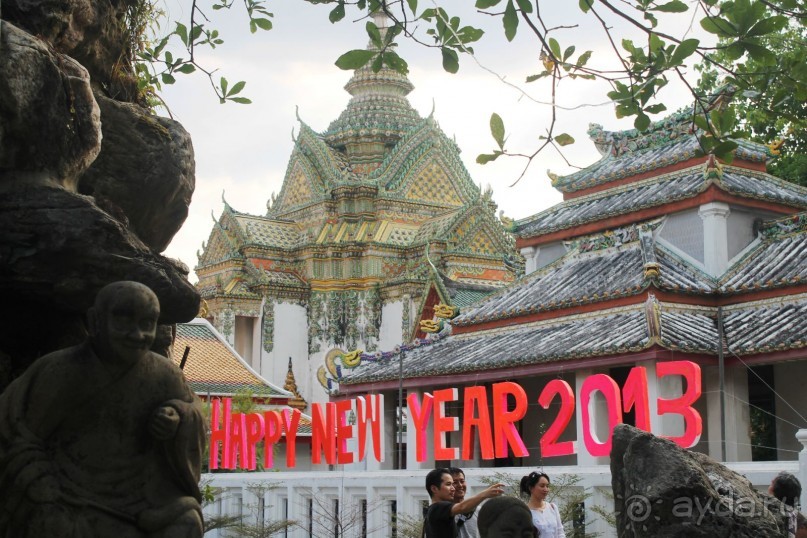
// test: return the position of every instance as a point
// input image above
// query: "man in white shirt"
(466, 523)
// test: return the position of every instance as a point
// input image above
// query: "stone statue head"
(123, 322)
(505, 517)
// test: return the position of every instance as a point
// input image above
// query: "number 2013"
(634, 395)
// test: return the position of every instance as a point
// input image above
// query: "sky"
(242, 151)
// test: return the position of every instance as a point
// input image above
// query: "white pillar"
(801, 435)
(738, 415)
(715, 237)
(530, 255)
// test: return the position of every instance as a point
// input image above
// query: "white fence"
(356, 504)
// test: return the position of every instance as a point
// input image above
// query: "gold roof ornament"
(712, 168)
(298, 402)
(652, 270)
(431, 326)
(204, 309)
(445, 311)
(653, 315)
(774, 146)
(352, 359)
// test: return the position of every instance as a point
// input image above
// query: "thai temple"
(377, 222)
(668, 290)
(660, 258)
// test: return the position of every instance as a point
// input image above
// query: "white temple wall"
(738, 418)
(243, 337)
(740, 230)
(290, 340)
(391, 331)
(684, 231)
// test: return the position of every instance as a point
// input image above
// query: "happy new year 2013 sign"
(489, 418)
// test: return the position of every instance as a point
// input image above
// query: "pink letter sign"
(683, 405)
(505, 432)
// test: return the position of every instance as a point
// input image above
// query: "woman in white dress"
(545, 515)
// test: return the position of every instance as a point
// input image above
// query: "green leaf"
(451, 61)
(655, 109)
(186, 68)
(676, 6)
(525, 6)
(759, 53)
(469, 34)
(564, 139)
(767, 26)
(223, 82)
(510, 21)
(395, 62)
(568, 52)
(684, 51)
(585, 5)
(583, 59)
(182, 32)
(485, 4)
(701, 123)
(374, 33)
(719, 26)
(485, 158)
(263, 24)
(642, 121)
(497, 129)
(413, 6)
(533, 78)
(167, 78)
(725, 150)
(554, 46)
(354, 59)
(378, 63)
(337, 13)
(237, 87)
(241, 100)
(195, 32)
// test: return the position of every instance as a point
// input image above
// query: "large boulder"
(57, 250)
(96, 33)
(663, 490)
(50, 128)
(145, 171)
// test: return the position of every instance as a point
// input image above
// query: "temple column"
(715, 237)
(530, 254)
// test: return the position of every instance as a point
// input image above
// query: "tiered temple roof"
(618, 291)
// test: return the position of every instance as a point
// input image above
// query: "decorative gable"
(219, 248)
(298, 189)
(432, 183)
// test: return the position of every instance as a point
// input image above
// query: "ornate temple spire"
(291, 385)
(378, 113)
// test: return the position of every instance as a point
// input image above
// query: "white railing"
(367, 501)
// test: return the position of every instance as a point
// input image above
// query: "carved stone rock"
(50, 129)
(57, 250)
(146, 169)
(662, 490)
(96, 34)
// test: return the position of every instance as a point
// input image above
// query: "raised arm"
(472, 502)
